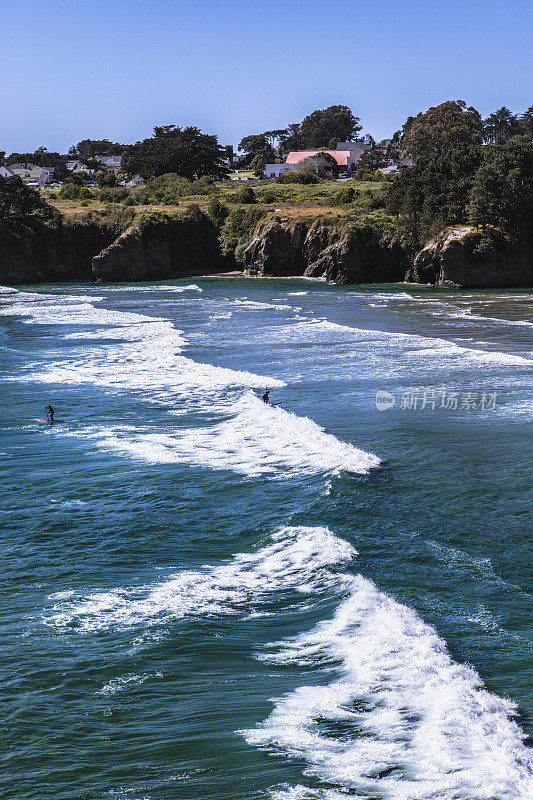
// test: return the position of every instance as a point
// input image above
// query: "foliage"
(187, 152)
(245, 195)
(526, 122)
(321, 164)
(238, 229)
(445, 144)
(255, 143)
(345, 195)
(217, 211)
(73, 191)
(89, 148)
(77, 178)
(21, 204)
(40, 158)
(292, 139)
(297, 176)
(502, 191)
(500, 126)
(442, 130)
(371, 160)
(105, 178)
(117, 194)
(325, 127)
(170, 189)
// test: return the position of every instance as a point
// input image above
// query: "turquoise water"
(205, 597)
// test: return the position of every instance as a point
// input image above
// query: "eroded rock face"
(163, 248)
(352, 255)
(463, 258)
(361, 255)
(63, 253)
(277, 248)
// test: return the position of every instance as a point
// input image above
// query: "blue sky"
(72, 70)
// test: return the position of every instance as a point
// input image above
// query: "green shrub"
(297, 176)
(217, 211)
(246, 196)
(238, 229)
(346, 195)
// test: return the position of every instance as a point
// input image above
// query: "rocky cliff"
(340, 253)
(347, 252)
(37, 252)
(162, 246)
(464, 258)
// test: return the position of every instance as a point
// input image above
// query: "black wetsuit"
(50, 410)
(265, 397)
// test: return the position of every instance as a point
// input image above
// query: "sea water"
(208, 597)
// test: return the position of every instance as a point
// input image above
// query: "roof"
(297, 156)
(117, 160)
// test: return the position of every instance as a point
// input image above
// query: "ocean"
(209, 597)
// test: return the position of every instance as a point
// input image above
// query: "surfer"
(265, 396)
(49, 413)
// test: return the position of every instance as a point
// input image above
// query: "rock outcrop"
(277, 248)
(362, 254)
(44, 253)
(162, 246)
(350, 254)
(463, 258)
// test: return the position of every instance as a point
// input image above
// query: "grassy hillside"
(356, 199)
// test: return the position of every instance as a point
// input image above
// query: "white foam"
(155, 287)
(255, 440)
(253, 304)
(296, 559)
(126, 682)
(402, 720)
(407, 344)
(144, 354)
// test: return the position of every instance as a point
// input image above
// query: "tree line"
(465, 170)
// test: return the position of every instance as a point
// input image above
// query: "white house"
(5, 172)
(275, 170)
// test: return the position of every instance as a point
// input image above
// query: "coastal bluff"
(161, 246)
(156, 245)
(358, 253)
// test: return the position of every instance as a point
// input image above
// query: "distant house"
(112, 163)
(275, 170)
(35, 177)
(346, 154)
(79, 166)
(6, 172)
(342, 157)
(136, 181)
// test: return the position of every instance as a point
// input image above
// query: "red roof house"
(342, 157)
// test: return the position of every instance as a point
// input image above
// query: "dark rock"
(43, 253)
(162, 247)
(463, 258)
(277, 248)
(361, 255)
